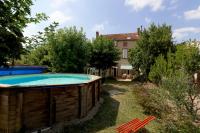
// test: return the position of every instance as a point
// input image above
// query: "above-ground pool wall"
(89, 97)
(4, 111)
(39, 107)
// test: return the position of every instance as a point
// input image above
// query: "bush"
(184, 93)
(184, 126)
(154, 102)
(162, 68)
(158, 70)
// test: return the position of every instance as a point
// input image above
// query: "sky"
(120, 16)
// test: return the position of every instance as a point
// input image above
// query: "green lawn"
(115, 110)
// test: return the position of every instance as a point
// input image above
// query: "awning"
(126, 67)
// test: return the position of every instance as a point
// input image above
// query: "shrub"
(184, 93)
(154, 102)
(162, 68)
(158, 70)
(184, 126)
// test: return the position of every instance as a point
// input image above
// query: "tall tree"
(104, 54)
(68, 50)
(153, 41)
(186, 58)
(41, 38)
(37, 49)
(14, 17)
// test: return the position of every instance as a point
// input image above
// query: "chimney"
(97, 34)
(139, 29)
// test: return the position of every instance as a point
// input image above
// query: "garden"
(117, 108)
(164, 84)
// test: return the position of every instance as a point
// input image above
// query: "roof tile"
(124, 36)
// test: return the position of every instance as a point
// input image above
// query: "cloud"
(172, 5)
(192, 14)
(60, 17)
(60, 3)
(173, 2)
(31, 29)
(100, 26)
(147, 20)
(177, 16)
(180, 33)
(137, 5)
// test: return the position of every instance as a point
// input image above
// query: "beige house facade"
(124, 42)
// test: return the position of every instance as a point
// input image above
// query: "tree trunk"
(99, 72)
(146, 74)
(13, 61)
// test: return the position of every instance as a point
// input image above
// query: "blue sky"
(120, 16)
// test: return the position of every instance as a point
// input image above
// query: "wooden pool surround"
(33, 108)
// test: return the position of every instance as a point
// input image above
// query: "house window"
(125, 53)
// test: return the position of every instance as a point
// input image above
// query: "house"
(124, 42)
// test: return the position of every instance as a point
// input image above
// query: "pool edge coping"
(93, 78)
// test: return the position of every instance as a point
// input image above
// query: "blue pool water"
(44, 79)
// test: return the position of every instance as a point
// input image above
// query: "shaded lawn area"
(116, 110)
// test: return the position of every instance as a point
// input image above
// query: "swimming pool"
(44, 79)
(37, 101)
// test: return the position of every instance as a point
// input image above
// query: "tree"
(37, 48)
(162, 68)
(63, 50)
(153, 41)
(14, 17)
(37, 56)
(41, 38)
(104, 54)
(175, 74)
(158, 70)
(135, 58)
(186, 58)
(68, 50)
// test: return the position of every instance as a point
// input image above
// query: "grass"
(115, 110)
